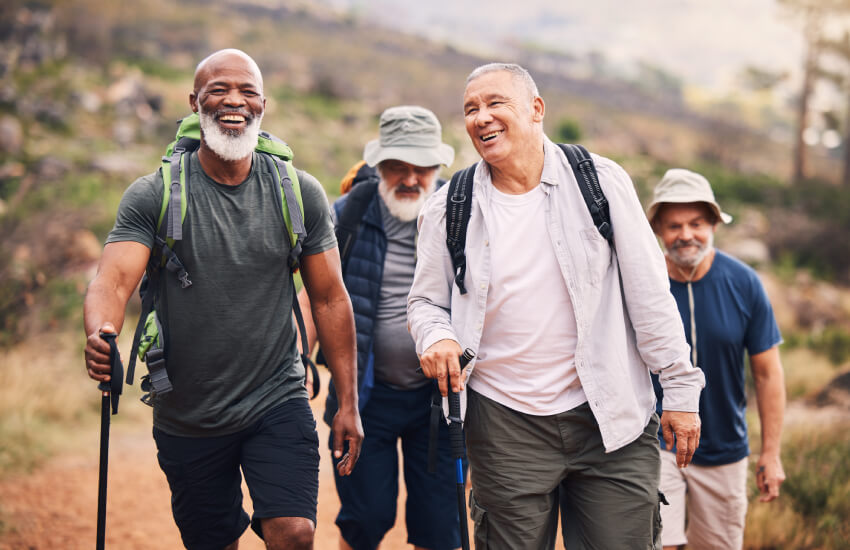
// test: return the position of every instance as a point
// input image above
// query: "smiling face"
(228, 96)
(686, 230)
(503, 118)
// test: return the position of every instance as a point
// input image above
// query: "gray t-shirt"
(230, 337)
(395, 351)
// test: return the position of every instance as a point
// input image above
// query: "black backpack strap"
(458, 209)
(305, 351)
(161, 254)
(588, 183)
(357, 201)
(146, 291)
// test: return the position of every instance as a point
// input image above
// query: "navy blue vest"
(362, 275)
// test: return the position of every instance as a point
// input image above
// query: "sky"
(706, 43)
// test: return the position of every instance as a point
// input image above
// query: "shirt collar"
(550, 162)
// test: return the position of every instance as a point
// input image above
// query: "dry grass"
(812, 509)
(806, 372)
(45, 397)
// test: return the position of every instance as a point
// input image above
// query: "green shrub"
(834, 342)
(568, 131)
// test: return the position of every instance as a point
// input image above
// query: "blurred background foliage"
(89, 95)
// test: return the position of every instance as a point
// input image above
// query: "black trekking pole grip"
(109, 396)
(455, 422)
(456, 441)
(114, 387)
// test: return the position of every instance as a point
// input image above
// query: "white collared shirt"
(624, 331)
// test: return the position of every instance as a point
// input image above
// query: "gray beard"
(404, 210)
(690, 261)
(226, 145)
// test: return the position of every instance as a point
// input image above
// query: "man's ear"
(538, 108)
(193, 102)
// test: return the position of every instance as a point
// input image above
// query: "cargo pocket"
(479, 518)
(656, 522)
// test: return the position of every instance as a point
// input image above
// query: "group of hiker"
(606, 376)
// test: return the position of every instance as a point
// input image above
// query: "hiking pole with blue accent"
(456, 440)
(111, 392)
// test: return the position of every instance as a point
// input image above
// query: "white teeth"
(232, 118)
(491, 135)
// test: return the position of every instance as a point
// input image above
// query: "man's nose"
(483, 117)
(410, 178)
(234, 98)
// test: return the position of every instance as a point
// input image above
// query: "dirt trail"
(55, 507)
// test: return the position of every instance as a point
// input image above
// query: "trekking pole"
(111, 391)
(456, 440)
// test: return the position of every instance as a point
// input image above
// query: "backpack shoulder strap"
(292, 205)
(173, 210)
(357, 201)
(588, 182)
(458, 209)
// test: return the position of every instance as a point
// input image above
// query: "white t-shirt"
(526, 355)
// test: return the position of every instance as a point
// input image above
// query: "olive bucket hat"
(411, 134)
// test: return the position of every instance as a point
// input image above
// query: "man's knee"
(288, 533)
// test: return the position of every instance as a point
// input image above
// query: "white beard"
(228, 146)
(404, 209)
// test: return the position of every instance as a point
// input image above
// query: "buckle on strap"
(160, 382)
(155, 359)
(294, 256)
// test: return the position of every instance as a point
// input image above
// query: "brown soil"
(55, 507)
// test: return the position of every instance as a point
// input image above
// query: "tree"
(813, 13)
(841, 80)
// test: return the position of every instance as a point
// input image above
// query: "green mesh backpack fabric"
(149, 339)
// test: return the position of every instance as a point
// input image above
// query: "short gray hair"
(518, 72)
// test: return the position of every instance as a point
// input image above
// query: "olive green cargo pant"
(522, 465)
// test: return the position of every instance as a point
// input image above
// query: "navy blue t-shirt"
(732, 314)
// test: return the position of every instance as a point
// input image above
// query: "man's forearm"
(103, 303)
(770, 396)
(335, 327)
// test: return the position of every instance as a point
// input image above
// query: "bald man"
(238, 400)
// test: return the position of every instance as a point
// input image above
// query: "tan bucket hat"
(681, 186)
(411, 134)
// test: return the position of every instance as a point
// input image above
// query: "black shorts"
(279, 455)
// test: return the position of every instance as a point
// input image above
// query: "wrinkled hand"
(98, 365)
(769, 477)
(347, 427)
(686, 428)
(441, 361)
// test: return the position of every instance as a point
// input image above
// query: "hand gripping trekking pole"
(456, 440)
(111, 392)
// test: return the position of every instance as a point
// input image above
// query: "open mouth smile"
(231, 119)
(491, 136)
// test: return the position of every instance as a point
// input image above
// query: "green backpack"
(149, 338)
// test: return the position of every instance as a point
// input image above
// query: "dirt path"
(55, 507)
